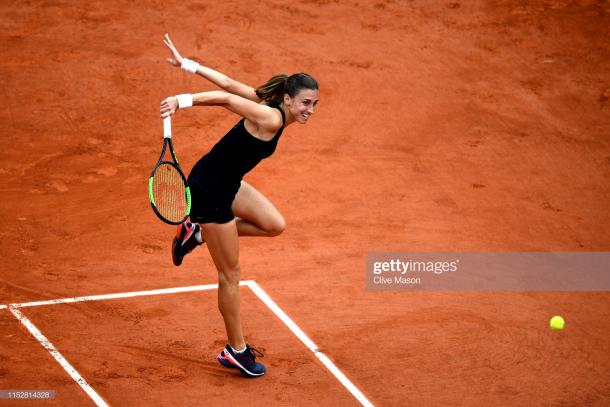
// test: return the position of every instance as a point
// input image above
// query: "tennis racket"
(169, 193)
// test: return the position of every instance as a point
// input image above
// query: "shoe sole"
(175, 259)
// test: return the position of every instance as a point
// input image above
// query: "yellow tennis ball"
(557, 323)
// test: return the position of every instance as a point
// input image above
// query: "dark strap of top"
(276, 106)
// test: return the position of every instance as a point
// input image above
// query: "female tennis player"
(224, 206)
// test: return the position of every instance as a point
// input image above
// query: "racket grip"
(167, 127)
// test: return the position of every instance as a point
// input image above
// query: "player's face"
(302, 105)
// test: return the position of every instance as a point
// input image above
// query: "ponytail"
(274, 89)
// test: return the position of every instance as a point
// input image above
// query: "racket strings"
(169, 193)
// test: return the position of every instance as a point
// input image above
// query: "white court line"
(123, 295)
(3, 306)
(262, 295)
(58, 357)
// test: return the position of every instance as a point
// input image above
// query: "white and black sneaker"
(185, 241)
(244, 361)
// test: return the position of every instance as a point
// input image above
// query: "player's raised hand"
(176, 58)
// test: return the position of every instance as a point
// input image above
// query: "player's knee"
(276, 227)
(229, 276)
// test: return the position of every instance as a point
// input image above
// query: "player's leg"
(223, 244)
(256, 215)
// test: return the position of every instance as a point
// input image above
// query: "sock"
(239, 351)
(198, 236)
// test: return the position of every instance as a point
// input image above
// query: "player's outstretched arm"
(261, 115)
(219, 79)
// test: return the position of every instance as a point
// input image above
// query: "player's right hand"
(176, 58)
(168, 106)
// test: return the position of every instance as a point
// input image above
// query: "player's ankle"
(240, 349)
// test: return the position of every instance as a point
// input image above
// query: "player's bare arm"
(219, 79)
(265, 118)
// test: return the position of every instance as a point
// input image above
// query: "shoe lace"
(255, 352)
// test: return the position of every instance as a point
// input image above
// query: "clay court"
(445, 126)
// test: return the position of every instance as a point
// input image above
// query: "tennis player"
(224, 206)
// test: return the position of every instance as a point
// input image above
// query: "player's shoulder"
(278, 116)
(275, 110)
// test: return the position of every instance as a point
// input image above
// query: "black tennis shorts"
(209, 204)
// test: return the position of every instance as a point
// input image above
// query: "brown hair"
(274, 89)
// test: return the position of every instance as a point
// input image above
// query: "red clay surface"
(442, 126)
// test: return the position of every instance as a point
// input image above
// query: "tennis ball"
(557, 323)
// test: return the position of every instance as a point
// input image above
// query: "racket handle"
(167, 127)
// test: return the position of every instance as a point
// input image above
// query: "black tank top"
(221, 170)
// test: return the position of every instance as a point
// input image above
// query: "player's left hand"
(176, 58)
(169, 106)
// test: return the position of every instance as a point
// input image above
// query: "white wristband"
(184, 100)
(189, 65)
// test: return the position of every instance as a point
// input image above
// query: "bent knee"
(276, 227)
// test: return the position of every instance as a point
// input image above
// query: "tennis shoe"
(185, 241)
(244, 361)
